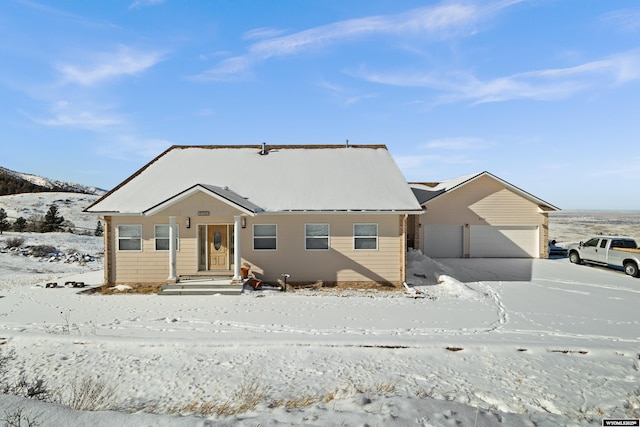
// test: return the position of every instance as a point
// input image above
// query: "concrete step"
(210, 275)
(201, 287)
(236, 290)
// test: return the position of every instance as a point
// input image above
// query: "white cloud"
(624, 20)
(144, 3)
(438, 21)
(65, 114)
(549, 84)
(462, 143)
(262, 33)
(132, 148)
(110, 65)
(345, 96)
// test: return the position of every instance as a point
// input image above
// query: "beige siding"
(485, 201)
(150, 265)
(341, 263)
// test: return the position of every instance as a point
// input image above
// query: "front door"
(218, 245)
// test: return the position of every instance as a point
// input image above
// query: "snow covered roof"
(293, 178)
(425, 192)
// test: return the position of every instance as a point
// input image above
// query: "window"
(161, 236)
(316, 237)
(130, 237)
(265, 237)
(591, 242)
(365, 236)
(626, 243)
(603, 243)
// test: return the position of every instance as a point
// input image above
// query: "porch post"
(172, 249)
(237, 256)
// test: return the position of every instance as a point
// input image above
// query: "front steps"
(202, 286)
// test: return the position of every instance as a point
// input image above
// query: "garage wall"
(484, 202)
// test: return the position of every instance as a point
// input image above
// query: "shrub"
(14, 242)
(89, 394)
(35, 388)
(18, 418)
(41, 250)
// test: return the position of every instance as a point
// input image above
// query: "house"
(479, 216)
(336, 214)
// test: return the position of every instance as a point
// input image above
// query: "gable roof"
(223, 194)
(283, 178)
(425, 192)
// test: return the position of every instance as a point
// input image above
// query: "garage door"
(487, 241)
(442, 241)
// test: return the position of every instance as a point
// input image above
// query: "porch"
(221, 283)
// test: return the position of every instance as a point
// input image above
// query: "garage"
(443, 241)
(480, 216)
(486, 241)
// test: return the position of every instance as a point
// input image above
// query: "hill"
(12, 182)
(70, 206)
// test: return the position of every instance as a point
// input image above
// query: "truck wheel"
(631, 269)
(574, 257)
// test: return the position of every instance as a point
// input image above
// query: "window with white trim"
(130, 238)
(265, 237)
(365, 236)
(161, 237)
(316, 237)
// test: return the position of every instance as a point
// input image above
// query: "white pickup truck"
(621, 253)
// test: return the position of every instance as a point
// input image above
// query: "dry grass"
(296, 403)
(385, 388)
(89, 394)
(253, 392)
(246, 397)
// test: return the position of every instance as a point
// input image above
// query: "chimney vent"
(264, 150)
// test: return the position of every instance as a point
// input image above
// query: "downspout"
(403, 249)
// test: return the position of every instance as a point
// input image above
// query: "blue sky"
(542, 93)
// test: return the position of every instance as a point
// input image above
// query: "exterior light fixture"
(243, 222)
(188, 222)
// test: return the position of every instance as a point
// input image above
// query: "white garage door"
(442, 241)
(487, 241)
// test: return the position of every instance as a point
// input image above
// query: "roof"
(425, 192)
(288, 178)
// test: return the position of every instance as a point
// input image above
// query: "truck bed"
(635, 251)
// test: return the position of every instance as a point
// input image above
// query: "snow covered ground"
(492, 342)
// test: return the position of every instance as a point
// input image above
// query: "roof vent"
(347, 144)
(263, 150)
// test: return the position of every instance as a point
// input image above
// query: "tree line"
(13, 185)
(51, 222)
